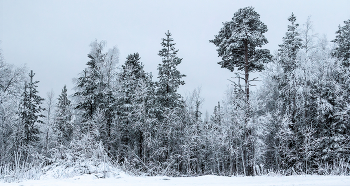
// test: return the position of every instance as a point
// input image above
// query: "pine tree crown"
(245, 27)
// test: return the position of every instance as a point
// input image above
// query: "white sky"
(52, 37)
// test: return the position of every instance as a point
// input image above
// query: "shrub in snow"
(84, 156)
(23, 168)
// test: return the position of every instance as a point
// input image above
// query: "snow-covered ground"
(122, 179)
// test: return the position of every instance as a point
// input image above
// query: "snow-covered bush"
(84, 156)
(22, 169)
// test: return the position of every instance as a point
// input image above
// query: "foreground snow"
(122, 179)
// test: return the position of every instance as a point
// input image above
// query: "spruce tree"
(216, 118)
(291, 45)
(169, 76)
(62, 126)
(31, 112)
(127, 103)
(90, 87)
(169, 103)
(342, 41)
(237, 44)
(95, 95)
(287, 58)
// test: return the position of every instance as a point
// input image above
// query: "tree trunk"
(249, 149)
(47, 141)
(243, 164)
(246, 70)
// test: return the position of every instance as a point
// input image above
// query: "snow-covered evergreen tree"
(169, 104)
(131, 77)
(95, 85)
(238, 41)
(237, 44)
(342, 49)
(63, 126)
(169, 76)
(290, 47)
(287, 85)
(90, 84)
(96, 90)
(31, 112)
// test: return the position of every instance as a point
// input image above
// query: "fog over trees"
(296, 122)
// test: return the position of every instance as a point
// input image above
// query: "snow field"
(209, 180)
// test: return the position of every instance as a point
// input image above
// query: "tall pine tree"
(237, 44)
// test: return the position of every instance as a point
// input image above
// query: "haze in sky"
(52, 37)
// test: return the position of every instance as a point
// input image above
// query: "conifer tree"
(216, 118)
(237, 44)
(128, 102)
(90, 87)
(169, 76)
(63, 127)
(95, 95)
(292, 43)
(31, 112)
(169, 103)
(287, 58)
(342, 53)
(342, 41)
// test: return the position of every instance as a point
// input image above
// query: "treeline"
(296, 122)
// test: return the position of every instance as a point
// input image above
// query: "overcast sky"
(52, 37)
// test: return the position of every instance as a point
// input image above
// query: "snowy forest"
(297, 121)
